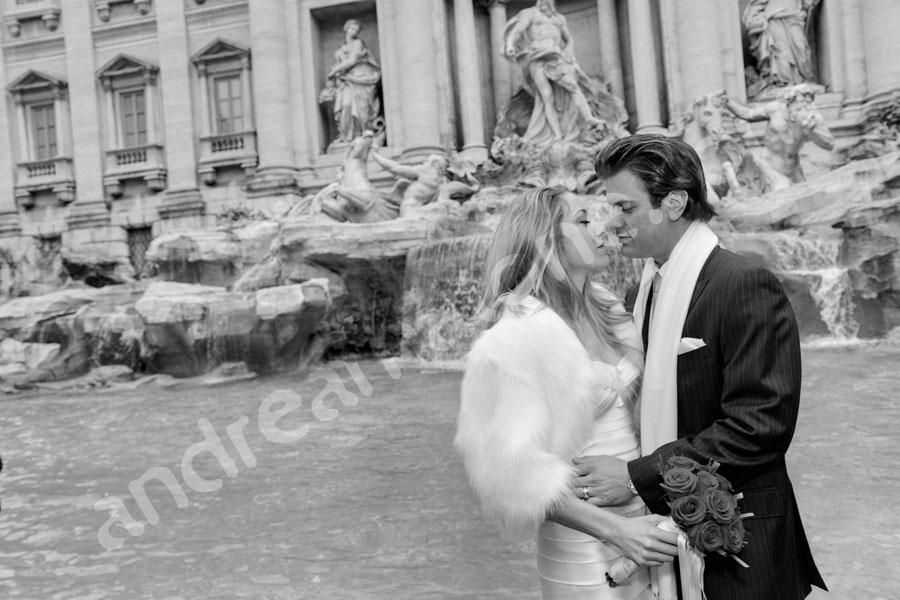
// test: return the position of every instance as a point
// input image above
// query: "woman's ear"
(675, 204)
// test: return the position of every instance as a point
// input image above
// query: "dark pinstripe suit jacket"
(738, 399)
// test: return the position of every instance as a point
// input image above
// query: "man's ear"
(675, 204)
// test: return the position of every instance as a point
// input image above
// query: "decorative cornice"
(30, 50)
(125, 33)
(217, 15)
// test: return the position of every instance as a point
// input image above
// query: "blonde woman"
(554, 377)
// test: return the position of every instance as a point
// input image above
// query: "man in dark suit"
(737, 393)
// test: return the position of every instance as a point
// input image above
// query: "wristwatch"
(631, 488)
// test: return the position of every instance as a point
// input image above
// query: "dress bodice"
(573, 564)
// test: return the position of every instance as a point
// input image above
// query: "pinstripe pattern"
(738, 399)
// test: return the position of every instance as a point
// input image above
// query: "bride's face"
(583, 246)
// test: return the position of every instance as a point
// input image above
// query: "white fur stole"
(528, 402)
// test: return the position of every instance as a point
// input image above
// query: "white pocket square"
(689, 345)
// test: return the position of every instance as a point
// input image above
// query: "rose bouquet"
(706, 516)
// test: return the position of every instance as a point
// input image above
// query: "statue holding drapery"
(352, 84)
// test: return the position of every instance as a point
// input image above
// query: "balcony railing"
(28, 9)
(54, 174)
(38, 172)
(140, 162)
(17, 11)
(224, 150)
(126, 160)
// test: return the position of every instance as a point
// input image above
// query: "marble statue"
(777, 31)
(793, 120)
(425, 183)
(352, 84)
(702, 127)
(538, 39)
(352, 197)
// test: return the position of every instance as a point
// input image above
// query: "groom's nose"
(615, 224)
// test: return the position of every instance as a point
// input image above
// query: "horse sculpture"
(721, 154)
(353, 198)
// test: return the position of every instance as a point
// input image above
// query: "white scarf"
(659, 393)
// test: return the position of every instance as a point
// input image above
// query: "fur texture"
(528, 402)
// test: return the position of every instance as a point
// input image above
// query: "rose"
(733, 534)
(724, 484)
(707, 481)
(706, 537)
(679, 482)
(688, 510)
(721, 505)
(682, 462)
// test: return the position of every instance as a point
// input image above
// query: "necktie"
(651, 306)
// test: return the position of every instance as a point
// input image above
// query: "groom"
(722, 375)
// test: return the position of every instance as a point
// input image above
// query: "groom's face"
(642, 230)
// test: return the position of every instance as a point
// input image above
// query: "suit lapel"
(702, 280)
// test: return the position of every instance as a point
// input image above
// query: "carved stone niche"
(104, 7)
(17, 11)
(330, 24)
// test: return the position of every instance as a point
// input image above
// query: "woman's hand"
(643, 542)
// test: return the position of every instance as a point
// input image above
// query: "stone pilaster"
(82, 79)
(8, 216)
(500, 67)
(469, 78)
(610, 56)
(696, 49)
(882, 47)
(423, 102)
(182, 195)
(854, 54)
(272, 90)
(644, 66)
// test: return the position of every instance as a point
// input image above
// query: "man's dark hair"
(663, 164)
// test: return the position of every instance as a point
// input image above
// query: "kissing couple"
(572, 399)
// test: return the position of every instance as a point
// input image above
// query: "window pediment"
(220, 50)
(35, 81)
(123, 67)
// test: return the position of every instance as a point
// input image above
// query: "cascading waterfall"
(816, 261)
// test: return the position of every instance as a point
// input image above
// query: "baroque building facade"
(123, 119)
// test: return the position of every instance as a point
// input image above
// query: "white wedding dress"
(573, 565)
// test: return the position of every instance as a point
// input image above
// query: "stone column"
(643, 59)
(150, 91)
(854, 53)
(63, 147)
(206, 125)
(174, 69)
(417, 78)
(247, 93)
(882, 47)
(469, 77)
(22, 130)
(610, 56)
(699, 51)
(82, 79)
(502, 77)
(8, 216)
(112, 124)
(271, 86)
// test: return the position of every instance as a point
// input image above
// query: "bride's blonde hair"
(524, 259)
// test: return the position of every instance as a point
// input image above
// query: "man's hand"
(606, 479)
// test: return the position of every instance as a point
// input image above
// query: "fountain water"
(813, 260)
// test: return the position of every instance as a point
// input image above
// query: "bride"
(555, 377)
